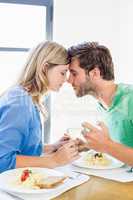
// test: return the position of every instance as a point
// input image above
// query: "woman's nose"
(69, 80)
(65, 79)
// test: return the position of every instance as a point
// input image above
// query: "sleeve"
(129, 108)
(14, 121)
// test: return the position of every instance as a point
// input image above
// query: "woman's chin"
(55, 89)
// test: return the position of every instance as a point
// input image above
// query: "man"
(92, 72)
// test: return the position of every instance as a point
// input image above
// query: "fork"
(74, 175)
(130, 170)
(15, 196)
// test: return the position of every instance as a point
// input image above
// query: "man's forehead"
(74, 69)
(74, 64)
(75, 61)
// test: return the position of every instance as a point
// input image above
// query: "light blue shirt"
(20, 127)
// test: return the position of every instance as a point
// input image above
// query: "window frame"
(49, 19)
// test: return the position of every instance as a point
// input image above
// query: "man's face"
(79, 79)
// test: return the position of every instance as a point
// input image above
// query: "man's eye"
(74, 74)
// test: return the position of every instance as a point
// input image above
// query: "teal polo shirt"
(119, 116)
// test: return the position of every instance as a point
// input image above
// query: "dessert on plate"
(97, 159)
(31, 179)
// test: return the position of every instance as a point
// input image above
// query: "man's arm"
(121, 152)
(99, 140)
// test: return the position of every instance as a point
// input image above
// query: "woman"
(20, 109)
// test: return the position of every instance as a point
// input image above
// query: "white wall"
(107, 21)
(124, 72)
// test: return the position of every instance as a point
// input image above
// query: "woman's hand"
(97, 138)
(66, 153)
(82, 146)
(63, 140)
(50, 148)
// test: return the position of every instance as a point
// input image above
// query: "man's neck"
(106, 92)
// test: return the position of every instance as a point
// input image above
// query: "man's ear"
(94, 73)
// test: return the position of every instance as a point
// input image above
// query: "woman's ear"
(45, 67)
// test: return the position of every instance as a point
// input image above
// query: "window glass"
(11, 64)
(22, 25)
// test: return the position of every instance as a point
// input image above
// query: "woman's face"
(57, 76)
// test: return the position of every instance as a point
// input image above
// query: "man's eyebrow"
(72, 70)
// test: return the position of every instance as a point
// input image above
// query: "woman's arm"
(49, 148)
(36, 161)
(64, 155)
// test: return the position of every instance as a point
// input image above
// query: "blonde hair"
(34, 77)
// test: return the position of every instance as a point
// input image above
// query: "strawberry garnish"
(25, 174)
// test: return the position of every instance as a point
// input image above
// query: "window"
(24, 23)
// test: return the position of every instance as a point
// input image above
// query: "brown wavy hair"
(91, 55)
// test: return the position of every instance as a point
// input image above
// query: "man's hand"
(97, 138)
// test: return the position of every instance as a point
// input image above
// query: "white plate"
(82, 163)
(8, 177)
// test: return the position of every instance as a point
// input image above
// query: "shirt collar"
(116, 98)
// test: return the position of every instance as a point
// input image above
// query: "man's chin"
(83, 93)
(78, 94)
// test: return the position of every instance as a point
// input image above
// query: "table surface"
(97, 188)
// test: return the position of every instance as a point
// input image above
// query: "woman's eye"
(63, 73)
